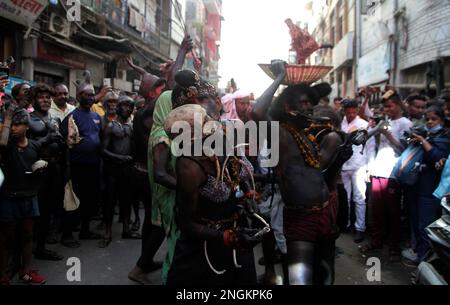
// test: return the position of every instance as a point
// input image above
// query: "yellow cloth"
(98, 108)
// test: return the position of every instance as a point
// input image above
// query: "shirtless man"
(307, 172)
(151, 88)
(118, 166)
(45, 129)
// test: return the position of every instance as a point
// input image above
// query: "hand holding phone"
(3, 81)
(106, 82)
(4, 71)
(5, 67)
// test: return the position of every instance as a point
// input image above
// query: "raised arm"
(186, 47)
(260, 109)
(134, 67)
(4, 134)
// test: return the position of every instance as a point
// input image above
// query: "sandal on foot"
(70, 243)
(131, 235)
(48, 255)
(136, 225)
(89, 236)
(103, 243)
(52, 239)
(369, 248)
(140, 278)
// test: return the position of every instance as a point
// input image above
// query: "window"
(349, 73)
(339, 76)
(178, 10)
(364, 7)
(332, 34)
(340, 33)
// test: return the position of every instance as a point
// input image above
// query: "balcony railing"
(343, 51)
(158, 22)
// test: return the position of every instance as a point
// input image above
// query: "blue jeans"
(428, 210)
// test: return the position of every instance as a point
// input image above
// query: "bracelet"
(230, 238)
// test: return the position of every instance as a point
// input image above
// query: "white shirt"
(60, 114)
(358, 160)
(386, 157)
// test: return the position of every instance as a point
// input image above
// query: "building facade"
(379, 42)
(49, 47)
(335, 26)
(203, 19)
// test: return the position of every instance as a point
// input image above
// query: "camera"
(420, 130)
(4, 70)
(378, 119)
(5, 67)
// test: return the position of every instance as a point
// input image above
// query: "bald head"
(61, 95)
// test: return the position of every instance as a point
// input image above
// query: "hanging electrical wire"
(143, 55)
(109, 38)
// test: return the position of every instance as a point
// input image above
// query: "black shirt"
(16, 166)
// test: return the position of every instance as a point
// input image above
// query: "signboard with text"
(24, 12)
(15, 81)
(52, 53)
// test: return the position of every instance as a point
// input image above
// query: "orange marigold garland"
(312, 156)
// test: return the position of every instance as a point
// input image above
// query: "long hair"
(16, 90)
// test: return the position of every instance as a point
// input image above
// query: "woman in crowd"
(426, 208)
(21, 94)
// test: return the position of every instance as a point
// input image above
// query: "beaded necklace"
(231, 175)
(312, 156)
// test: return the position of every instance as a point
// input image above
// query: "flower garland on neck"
(312, 156)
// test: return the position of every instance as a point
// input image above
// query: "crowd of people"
(338, 172)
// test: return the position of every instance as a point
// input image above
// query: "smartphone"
(107, 82)
(4, 71)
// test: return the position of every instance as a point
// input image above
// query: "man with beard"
(307, 171)
(45, 128)
(84, 160)
(118, 166)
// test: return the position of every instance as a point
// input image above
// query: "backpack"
(408, 166)
(410, 163)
